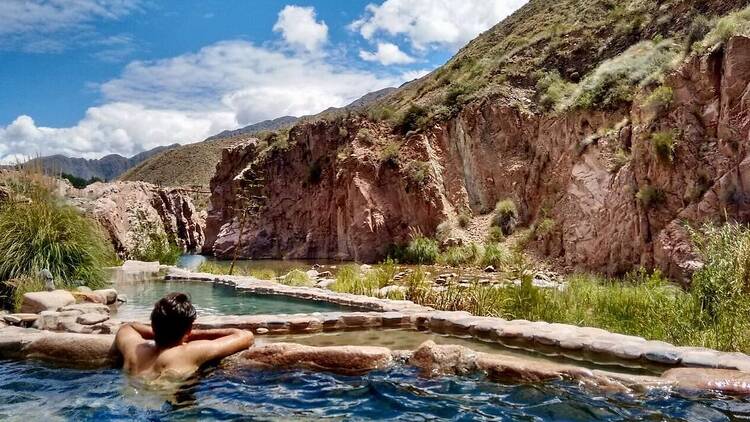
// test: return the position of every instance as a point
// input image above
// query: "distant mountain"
(108, 167)
(266, 125)
(195, 164)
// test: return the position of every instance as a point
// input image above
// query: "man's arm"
(131, 335)
(207, 345)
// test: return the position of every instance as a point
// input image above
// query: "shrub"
(505, 216)
(152, 243)
(296, 278)
(732, 24)
(620, 159)
(650, 196)
(464, 219)
(421, 250)
(349, 280)
(614, 81)
(365, 136)
(553, 91)
(660, 97)
(544, 227)
(496, 255)
(418, 173)
(444, 231)
(664, 145)
(414, 118)
(46, 233)
(461, 256)
(495, 235)
(390, 154)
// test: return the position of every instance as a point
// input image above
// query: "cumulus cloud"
(299, 28)
(192, 96)
(386, 54)
(43, 26)
(445, 23)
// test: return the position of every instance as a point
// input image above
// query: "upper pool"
(32, 391)
(211, 299)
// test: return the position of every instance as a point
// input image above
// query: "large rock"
(73, 349)
(342, 359)
(110, 295)
(126, 209)
(36, 302)
(722, 380)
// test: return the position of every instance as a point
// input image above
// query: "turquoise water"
(210, 299)
(30, 391)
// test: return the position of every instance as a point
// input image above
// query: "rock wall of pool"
(347, 339)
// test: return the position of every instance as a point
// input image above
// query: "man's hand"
(208, 345)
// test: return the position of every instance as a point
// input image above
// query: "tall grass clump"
(420, 250)
(350, 280)
(461, 256)
(296, 278)
(615, 81)
(505, 216)
(46, 233)
(213, 267)
(664, 145)
(553, 90)
(736, 23)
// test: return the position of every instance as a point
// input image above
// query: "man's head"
(172, 319)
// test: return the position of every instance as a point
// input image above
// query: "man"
(170, 348)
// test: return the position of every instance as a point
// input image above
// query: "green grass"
(219, 269)
(664, 144)
(420, 250)
(505, 216)
(650, 196)
(296, 278)
(495, 235)
(496, 255)
(45, 233)
(461, 256)
(733, 24)
(660, 98)
(349, 280)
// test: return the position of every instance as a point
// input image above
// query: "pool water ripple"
(32, 391)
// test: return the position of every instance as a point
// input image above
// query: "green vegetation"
(733, 24)
(461, 256)
(553, 90)
(420, 250)
(619, 160)
(464, 218)
(664, 145)
(42, 232)
(78, 182)
(152, 243)
(413, 118)
(650, 196)
(418, 173)
(390, 154)
(219, 269)
(615, 81)
(505, 216)
(660, 98)
(349, 280)
(296, 278)
(495, 235)
(496, 255)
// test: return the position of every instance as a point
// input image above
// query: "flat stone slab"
(36, 302)
(91, 319)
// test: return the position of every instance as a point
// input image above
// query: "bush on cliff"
(42, 232)
(506, 216)
(733, 24)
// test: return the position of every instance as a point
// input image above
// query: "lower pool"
(32, 391)
(211, 299)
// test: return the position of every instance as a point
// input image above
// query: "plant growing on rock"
(650, 196)
(418, 173)
(505, 216)
(660, 98)
(664, 145)
(390, 154)
(553, 90)
(413, 118)
(733, 24)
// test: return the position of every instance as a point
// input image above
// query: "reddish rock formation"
(331, 196)
(124, 207)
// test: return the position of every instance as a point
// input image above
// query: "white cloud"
(386, 54)
(445, 23)
(190, 97)
(299, 28)
(43, 26)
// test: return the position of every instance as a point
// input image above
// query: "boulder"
(87, 308)
(90, 297)
(91, 319)
(21, 320)
(340, 359)
(109, 294)
(433, 359)
(78, 349)
(720, 380)
(36, 302)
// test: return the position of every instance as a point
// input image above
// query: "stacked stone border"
(581, 343)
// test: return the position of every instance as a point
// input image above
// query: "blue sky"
(92, 77)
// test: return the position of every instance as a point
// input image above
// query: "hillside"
(106, 168)
(607, 124)
(195, 164)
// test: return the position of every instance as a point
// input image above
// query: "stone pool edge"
(405, 314)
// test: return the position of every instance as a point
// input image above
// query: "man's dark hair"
(172, 318)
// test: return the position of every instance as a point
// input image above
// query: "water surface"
(30, 391)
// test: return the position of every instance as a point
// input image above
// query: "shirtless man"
(170, 348)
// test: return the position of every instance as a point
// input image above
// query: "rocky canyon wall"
(616, 201)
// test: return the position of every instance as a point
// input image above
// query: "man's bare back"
(170, 348)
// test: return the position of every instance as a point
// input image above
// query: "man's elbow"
(246, 337)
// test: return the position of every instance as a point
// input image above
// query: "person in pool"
(170, 348)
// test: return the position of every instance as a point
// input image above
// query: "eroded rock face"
(124, 207)
(330, 195)
(725, 381)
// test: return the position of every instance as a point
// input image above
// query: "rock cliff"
(130, 210)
